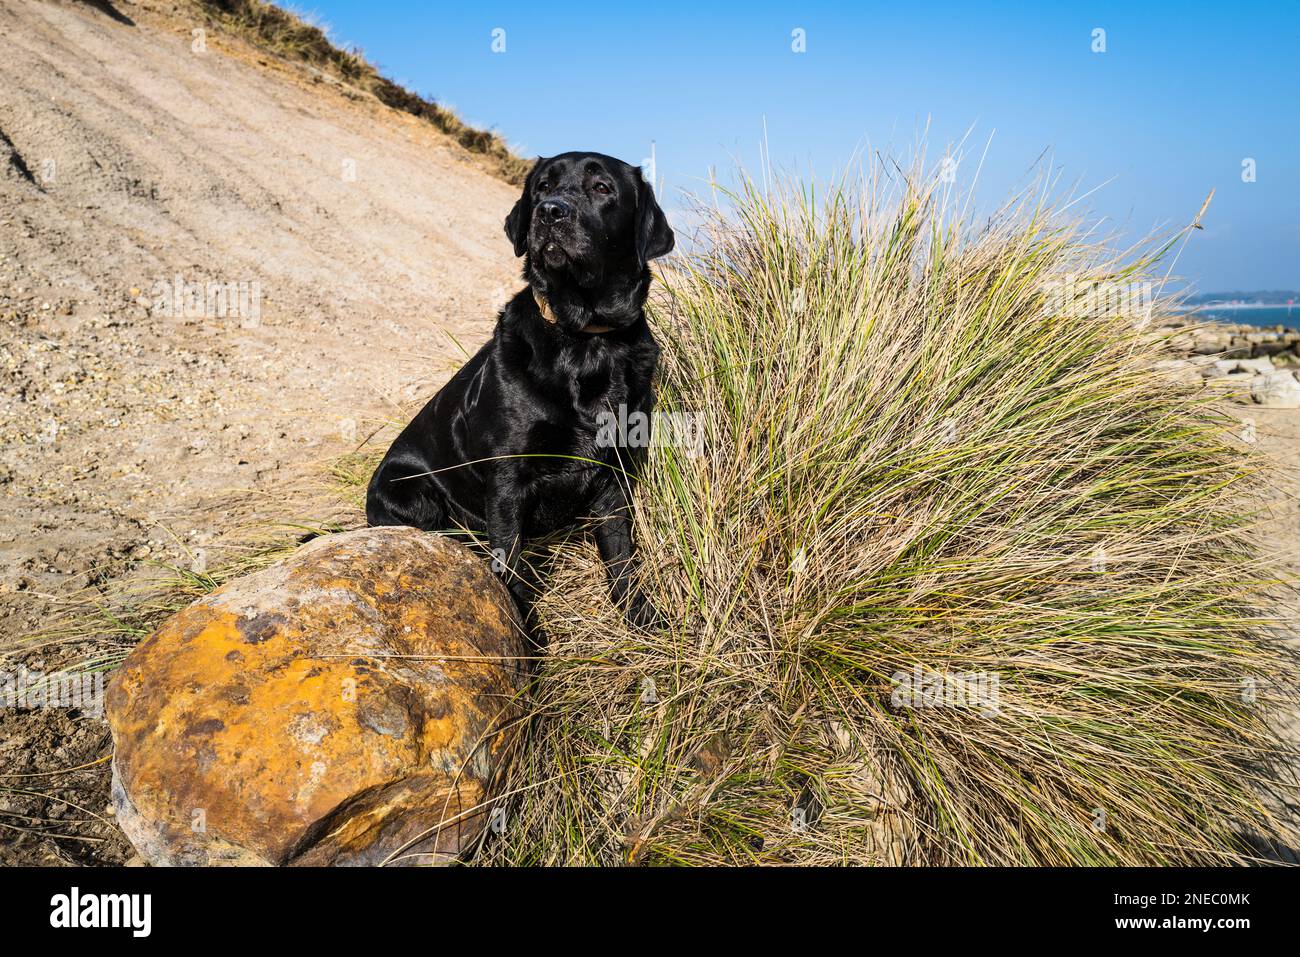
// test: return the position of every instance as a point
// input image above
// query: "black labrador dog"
(519, 442)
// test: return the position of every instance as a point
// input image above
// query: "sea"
(1268, 316)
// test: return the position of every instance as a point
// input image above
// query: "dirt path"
(127, 159)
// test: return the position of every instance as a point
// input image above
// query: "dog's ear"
(521, 216)
(654, 237)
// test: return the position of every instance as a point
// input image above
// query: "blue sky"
(1183, 94)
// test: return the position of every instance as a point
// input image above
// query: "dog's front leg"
(617, 549)
(506, 515)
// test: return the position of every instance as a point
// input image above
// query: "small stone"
(1209, 346)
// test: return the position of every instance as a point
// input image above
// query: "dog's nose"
(554, 210)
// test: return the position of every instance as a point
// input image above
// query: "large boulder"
(1257, 366)
(1278, 390)
(349, 705)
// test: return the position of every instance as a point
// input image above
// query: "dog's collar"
(549, 315)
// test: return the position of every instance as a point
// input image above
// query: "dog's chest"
(580, 424)
(577, 449)
(598, 385)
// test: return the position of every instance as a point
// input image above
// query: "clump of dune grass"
(285, 33)
(961, 576)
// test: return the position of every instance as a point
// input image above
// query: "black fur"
(510, 445)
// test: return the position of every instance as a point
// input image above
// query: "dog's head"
(588, 220)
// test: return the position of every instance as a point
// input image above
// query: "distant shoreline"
(1259, 314)
(1202, 306)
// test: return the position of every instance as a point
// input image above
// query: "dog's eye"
(601, 188)
(544, 185)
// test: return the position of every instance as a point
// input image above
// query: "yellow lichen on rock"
(349, 705)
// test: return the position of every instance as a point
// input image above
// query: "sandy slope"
(128, 159)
